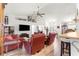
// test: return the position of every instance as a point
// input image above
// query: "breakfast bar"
(72, 38)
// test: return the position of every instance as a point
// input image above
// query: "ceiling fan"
(39, 14)
(34, 16)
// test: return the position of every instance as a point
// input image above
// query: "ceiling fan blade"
(42, 13)
(21, 19)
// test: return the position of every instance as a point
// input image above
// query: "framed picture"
(6, 20)
(11, 29)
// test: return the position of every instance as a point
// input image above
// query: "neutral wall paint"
(14, 22)
(58, 12)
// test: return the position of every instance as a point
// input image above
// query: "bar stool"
(65, 48)
(66, 43)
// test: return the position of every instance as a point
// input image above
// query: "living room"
(41, 24)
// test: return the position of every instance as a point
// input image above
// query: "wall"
(55, 15)
(14, 22)
(14, 10)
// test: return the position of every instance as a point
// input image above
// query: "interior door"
(1, 28)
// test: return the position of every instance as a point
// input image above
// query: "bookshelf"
(8, 29)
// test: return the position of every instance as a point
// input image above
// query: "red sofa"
(11, 42)
(35, 43)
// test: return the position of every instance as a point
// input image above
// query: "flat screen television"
(24, 27)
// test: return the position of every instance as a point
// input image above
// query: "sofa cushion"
(10, 38)
(14, 36)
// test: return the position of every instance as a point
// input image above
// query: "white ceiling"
(29, 8)
(23, 8)
(60, 10)
(54, 10)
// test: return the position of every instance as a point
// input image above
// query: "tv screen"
(24, 27)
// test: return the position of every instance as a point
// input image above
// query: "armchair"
(50, 38)
(35, 44)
